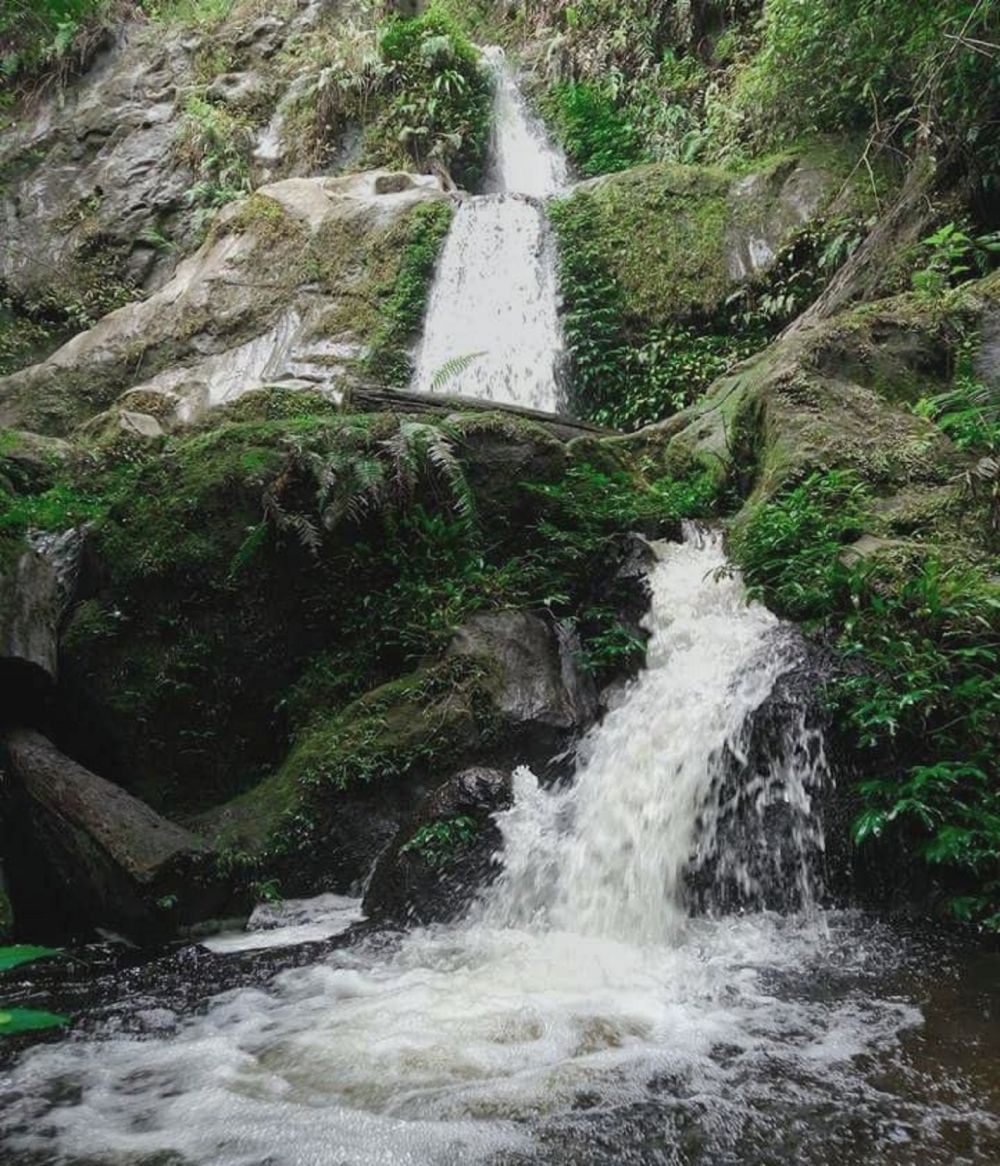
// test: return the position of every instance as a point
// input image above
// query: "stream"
(580, 1012)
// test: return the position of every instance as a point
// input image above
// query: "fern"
(453, 368)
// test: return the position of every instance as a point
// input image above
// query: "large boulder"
(679, 240)
(286, 288)
(113, 859)
(776, 833)
(444, 854)
(533, 658)
(508, 691)
(37, 585)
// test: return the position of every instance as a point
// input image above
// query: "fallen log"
(369, 399)
(120, 864)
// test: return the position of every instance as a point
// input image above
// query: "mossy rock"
(352, 776)
(662, 230)
(838, 395)
(215, 586)
(678, 239)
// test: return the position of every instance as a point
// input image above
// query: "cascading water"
(608, 856)
(577, 1014)
(492, 328)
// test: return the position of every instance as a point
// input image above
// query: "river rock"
(539, 680)
(118, 862)
(763, 838)
(444, 854)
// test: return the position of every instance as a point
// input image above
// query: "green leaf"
(23, 953)
(15, 1020)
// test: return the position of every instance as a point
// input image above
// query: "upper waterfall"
(492, 327)
(522, 160)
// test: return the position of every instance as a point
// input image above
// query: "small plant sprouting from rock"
(440, 843)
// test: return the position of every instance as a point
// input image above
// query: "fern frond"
(453, 368)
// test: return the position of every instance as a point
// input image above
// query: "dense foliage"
(594, 133)
(438, 109)
(923, 698)
(910, 72)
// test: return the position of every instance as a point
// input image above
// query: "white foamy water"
(577, 991)
(289, 922)
(492, 316)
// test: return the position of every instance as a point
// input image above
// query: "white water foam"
(492, 318)
(290, 922)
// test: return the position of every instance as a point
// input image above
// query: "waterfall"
(492, 326)
(601, 1003)
(575, 991)
(608, 855)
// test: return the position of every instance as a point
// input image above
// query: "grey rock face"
(444, 854)
(767, 207)
(222, 326)
(97, 165)
(540, 681)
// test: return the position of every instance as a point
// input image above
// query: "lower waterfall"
(578, 1014)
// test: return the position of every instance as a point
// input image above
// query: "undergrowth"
(922, 636)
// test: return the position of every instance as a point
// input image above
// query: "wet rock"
(117, 861)
(444, 854)
(766, 208)
(96, 163)
(681, 240)
(539, 680)
(123, 423)
(763, 841)
(245, 310)
(239, 89)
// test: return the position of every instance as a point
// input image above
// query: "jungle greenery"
(922, 697)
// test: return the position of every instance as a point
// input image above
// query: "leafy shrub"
(439, 843)
(911, 70)
(216, 144)
(438, 111)
(950, 254)
(969, 412)
(44, 35)
(625, 374)
(595, 133)
(923, 698)
(789, 548)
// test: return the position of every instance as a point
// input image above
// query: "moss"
(402, 733)
(274, 403)
(379, 279)
(662, 233)
(403, 299)
(271, 225)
